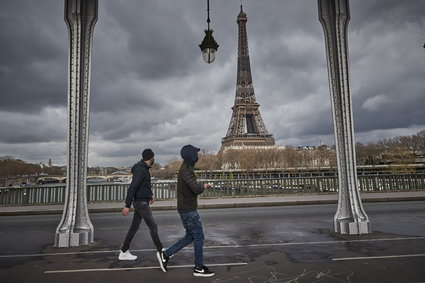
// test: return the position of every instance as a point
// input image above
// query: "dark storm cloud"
(150, 87)
(393, 12)
(158, 34)
(32, 56)
(386, 51)
(48, 125)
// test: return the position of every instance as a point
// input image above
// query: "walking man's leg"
(146, 213)
(194, 233)
(164, 256)
(200, 269)
(135, 224)
(198, 240)
(183, 242)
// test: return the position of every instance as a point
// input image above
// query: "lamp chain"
(208, 14)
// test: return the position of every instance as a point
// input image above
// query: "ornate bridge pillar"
(75, 228)
(350, 217)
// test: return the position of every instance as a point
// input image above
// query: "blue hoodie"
(189, 153)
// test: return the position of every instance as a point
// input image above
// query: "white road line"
(377, 257)
(72, 253)
(224, 247)
(138, 268)
(320, 243)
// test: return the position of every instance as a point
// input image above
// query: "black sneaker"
(203, 272)
(163, 260)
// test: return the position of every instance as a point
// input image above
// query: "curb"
(47, 211)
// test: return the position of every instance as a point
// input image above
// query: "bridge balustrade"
(110, 192)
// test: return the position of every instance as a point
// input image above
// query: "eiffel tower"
(246, 128)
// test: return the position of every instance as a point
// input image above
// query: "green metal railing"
(107, 192)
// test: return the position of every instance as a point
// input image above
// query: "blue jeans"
(194, 233)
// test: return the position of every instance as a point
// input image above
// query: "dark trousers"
(142, 210)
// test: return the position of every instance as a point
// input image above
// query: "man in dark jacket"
(188, 190)
(140, 195)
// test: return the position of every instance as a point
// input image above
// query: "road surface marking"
(73, 253)
(222, 247)
(377, 257)
(138, 268)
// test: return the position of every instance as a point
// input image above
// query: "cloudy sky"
(151, 88)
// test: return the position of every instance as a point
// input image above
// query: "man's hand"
(125, 211)
(207, 186)
(152, 200)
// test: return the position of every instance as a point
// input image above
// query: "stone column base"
(352, 227)
(75, 239)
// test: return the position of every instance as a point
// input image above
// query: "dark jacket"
(188, 188)
(140, 187)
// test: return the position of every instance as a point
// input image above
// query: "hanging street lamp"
(208, 46)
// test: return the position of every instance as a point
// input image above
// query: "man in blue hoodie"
(140, 195)
(188, 190)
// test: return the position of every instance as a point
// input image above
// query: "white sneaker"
(126, 256)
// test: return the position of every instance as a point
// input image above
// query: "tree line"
(401, 150)
(398, 150)
(10, 167)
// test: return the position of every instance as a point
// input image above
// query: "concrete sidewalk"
(224, 202)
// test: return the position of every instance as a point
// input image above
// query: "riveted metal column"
(75, 228)
(350, 217)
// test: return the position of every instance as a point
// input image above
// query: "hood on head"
(189, 153)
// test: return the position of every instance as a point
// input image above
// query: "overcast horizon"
(150, 87)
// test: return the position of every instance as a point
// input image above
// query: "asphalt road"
(263, 244)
